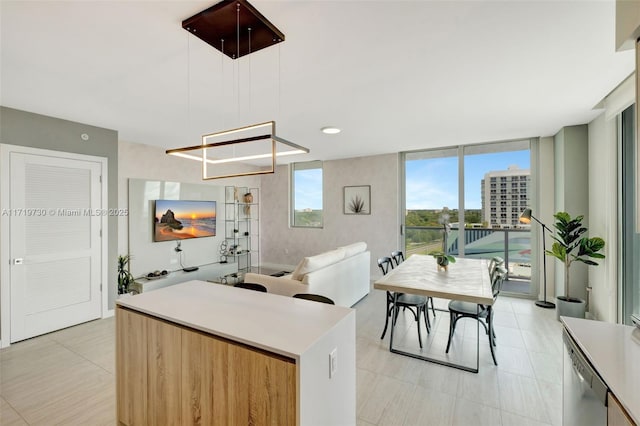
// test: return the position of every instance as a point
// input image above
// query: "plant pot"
(443, 262)
(571, 307)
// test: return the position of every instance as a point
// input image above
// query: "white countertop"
(278, 324)
(467, 279)
(614, 351)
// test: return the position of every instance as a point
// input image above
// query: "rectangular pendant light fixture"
(236, 29)
(252, 154)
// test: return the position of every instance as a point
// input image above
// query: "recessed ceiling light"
(330, 130)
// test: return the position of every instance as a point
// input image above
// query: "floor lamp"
(525, 217)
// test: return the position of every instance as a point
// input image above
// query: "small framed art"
(357, 199)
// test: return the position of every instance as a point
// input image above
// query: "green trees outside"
(430, 217)
(311, 218)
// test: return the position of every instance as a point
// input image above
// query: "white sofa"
(342, 275)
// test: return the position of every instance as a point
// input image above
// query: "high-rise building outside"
(505, 194)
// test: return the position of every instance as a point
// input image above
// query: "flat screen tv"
(183, 219)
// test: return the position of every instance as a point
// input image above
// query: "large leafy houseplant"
(572, 246)
(124, 275)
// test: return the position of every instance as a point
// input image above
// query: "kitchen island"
(203, 353)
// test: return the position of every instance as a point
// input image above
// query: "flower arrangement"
(442, 258)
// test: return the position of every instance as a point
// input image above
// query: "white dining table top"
(466, 279)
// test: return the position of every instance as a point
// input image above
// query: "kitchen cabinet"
(204, 353)
(616, 414)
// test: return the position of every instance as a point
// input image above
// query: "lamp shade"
(525, 216)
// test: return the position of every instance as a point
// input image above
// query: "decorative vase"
(248, 198)
(443, 263)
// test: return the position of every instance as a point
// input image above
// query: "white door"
(55, 248)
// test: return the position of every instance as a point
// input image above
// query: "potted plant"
(571, 246)
(442, 258)
(124, 275)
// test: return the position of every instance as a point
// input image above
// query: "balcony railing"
(513, 245)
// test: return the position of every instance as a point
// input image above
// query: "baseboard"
(109, 313)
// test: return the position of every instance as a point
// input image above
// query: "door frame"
(5, 270)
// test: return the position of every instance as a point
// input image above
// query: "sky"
(184, 209)
(308, 189)
(433, 183)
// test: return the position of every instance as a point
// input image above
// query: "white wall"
(543, 207)
(572, 196)
(148, 255)
(627, 23)
(603, 199)
(150, 162)
(603, 216)
(283, 245)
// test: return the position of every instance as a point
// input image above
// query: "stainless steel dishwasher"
(584, 394)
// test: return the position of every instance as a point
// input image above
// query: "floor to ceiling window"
(630, 228)
(431, 184)
(483, 189)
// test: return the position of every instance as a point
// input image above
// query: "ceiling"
(393, 75)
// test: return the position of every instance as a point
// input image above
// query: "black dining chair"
(314, 297)
(493, 264)
(416, 304)
(251, 286)
(481, 313)
(398, 258)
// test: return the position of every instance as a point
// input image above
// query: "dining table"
(466, 280)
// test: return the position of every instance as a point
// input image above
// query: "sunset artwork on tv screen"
(182, 219)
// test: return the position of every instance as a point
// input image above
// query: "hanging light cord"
(238, 57)
(249, 64)
(279, 83)
(188, 83)
(221, 95)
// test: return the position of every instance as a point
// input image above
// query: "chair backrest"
(397, 256)
(385, 264)
(499, 275)
(493, 264)
(251, 286)
(314, 297)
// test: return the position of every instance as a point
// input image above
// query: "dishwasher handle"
(583, 368)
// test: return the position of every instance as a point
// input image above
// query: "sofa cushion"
(353, 249)
(313, 263)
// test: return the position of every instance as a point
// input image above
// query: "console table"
(203, 353)
(208, 272)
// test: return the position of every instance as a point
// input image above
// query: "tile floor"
(524, 389)
(67, 377)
